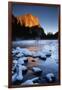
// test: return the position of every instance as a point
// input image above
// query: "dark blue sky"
(47, 15)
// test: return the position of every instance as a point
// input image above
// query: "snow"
(14, 61)
(14, 64)
(21, 60)
(14, 51)
(26, 52)
(18, 75)
(41, 54)
(46, 48)
(30, 82)
(21, 68)
(14, 77)
(24, 68)
(35, 69)
(19, 71)
(36, 78)
(49, 76)
(21, 54)
(18, 48)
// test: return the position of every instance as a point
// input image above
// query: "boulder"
(22, 60)
(16, 79)
(24, 70)
(18, 75)
(28, 82)
(14, 66)
(41, 55)
(19, 72)
(37, 71)
(19, 55)
(50, 77)
(48, 55)
(26, 61)
(31, 81)
(27, 53)
(35, 80)
(42, 58)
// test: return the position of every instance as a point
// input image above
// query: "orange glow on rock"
(28, 20)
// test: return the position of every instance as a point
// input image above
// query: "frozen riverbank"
(41, 55)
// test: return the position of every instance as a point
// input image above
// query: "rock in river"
(37, 71)
(50, 77)
(31, 81)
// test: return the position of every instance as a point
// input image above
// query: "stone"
(30, 81)
(50, 77)
(42, 58)
(37, 71)
(48, 55)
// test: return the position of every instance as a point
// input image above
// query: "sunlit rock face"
(28, 20)
(26, 27)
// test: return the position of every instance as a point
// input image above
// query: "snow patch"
(50, 77)
(30, 82)
(35, 69)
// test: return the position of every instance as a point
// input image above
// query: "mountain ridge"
(28, 20)
(29, 31)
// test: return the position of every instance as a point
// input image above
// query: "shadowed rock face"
(28, 20)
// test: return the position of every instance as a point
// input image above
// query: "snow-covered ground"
(26, 61)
